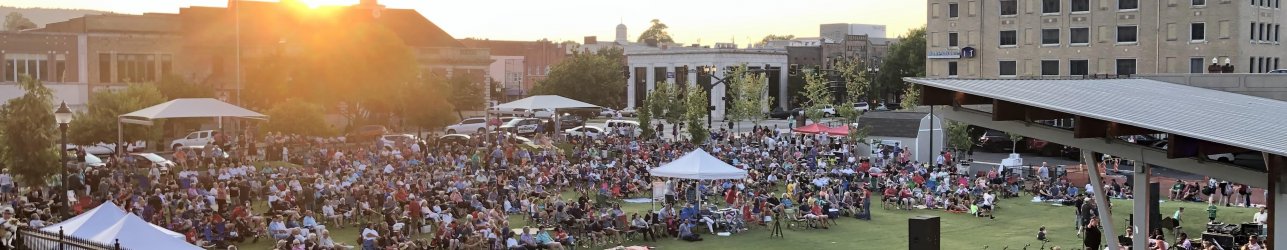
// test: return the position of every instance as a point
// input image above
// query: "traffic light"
(794, 69)
(625, 71)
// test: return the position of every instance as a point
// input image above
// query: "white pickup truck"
(196, 138)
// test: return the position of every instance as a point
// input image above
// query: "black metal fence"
(35, 239)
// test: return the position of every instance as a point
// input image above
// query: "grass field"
(1015, 226)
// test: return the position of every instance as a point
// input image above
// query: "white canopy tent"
(698, 165)
(90, 222)
(183, 108)
(135, 233)
(108, 222)
(552, 102)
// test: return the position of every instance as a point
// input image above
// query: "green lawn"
(1016, 225)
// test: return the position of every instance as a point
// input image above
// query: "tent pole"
(120, 138)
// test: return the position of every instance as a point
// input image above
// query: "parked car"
(1278, 71)
(454, 138)
(153, 160)
(627, 112)
(522, 126)
(512, 138)
(1042, 147)
(862, 106)
(94, 161)
(828, 111)
(366, 133)
(406, 139)
(607, 112)
(778, 113)
(1225, 157)
(616, 126)
(196, 138)
(995, 141)
(594, 132)
(468, 125)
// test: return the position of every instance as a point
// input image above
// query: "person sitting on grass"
(686, 232)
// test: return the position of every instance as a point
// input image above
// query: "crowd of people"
(465, 195)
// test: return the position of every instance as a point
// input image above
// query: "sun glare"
(313, 4)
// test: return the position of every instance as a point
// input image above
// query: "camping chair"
(794, 221)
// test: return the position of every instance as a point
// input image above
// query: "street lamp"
(63, 116)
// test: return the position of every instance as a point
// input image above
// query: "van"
(617, 126)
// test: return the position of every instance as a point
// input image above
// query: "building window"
(1263, 32)
(167, 66)
(1125, 67)
(951, 39)
(1009, 38)
(1079, 36)
(1080, 6)
(1049, 6)
(1009, 7)
(1050, 37)
(953, 10)
(1253, 31)
(1198, 32)
(1251, 66)
(33, 65)
(1199, 3)
(1127, 34)
(1196, 65)
(951, 68)
(1078, 67)
(104, 68)
(1049, 67)
(1128, 4)
(60, 70)
(1007, 68)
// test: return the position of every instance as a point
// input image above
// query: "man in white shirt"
(988, 201)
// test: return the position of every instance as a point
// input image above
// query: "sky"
(705, 22)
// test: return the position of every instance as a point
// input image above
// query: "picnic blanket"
(637, 200)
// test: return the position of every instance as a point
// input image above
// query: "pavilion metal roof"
(1244, 121)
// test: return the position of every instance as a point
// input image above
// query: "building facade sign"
(943, 54)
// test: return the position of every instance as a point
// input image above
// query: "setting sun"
(319, 3)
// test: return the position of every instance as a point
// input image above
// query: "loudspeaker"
(923, 232)
(1225, 240)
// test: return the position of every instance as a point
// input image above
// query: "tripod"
(777, 228)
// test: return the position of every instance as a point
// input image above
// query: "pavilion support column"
(1273, 165)
(1101, 201)
(1140, 211)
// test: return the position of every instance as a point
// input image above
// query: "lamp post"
(63, 116)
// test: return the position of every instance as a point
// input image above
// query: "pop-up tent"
(134, 233)
(699, 165)
(811, 128)
(107, 223)
(90, 222)
(552, 102)
(838, 131)
(183, 108)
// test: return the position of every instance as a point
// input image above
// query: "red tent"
(838, 131)
(811, 129)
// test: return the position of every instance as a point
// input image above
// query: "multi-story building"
(536, 58)
(203, 45)
(1010, 38)
(686, 67)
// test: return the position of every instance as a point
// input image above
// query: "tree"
(905, 59)
(748, 93)
(29, 140)
(772, 37)
(658, 101)
(958, 135)
(676, 105)
(297, 117)
(593, 78)
(856, 83)
(174, 87)
(15, 22)
(98, 123)
(426, 104)
(818, 94)
(465, 95)
(698, 106)
(656, 31)
(645, 113)
(1015, 138)
(911, 97)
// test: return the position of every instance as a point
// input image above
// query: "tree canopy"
(299, 118)
(818, 95)
(15, 22)
(772, 37)
(905, 59)
(98, 123)
(697, 104)
(30, 150)
(656, 31)
(595, 78)
(749, 95)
